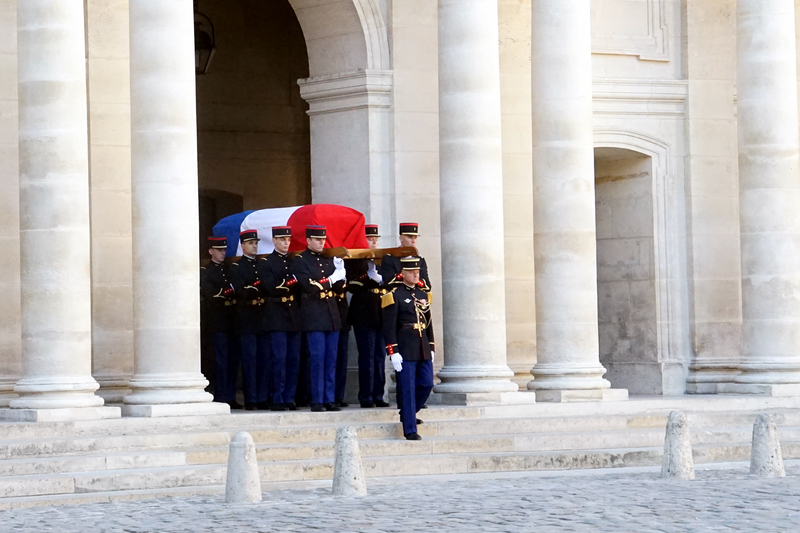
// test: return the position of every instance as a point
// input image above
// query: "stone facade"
(580, 191)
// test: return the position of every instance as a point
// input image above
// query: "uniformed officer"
(219, 301)
(390, 266)
(282, 319)
(318, 277)
(254, 341)
(364, 283)
(408, 333)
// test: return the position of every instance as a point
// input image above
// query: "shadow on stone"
(348, 474)
(678, 462)
(766, 459)
(242, 484)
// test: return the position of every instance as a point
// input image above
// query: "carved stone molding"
(631, 27)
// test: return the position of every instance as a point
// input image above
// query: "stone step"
(85, 463)
(400, 463)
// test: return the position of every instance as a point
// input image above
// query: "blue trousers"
(341, 364)
(227, 358)
(322, 348)
(256, 367)
(416, 383)
(371, 364)
(285, 366)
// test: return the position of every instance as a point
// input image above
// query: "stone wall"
(626, 270)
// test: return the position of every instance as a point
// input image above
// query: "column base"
(585, 395)
(67, 414)
(705, 377)
(113, 388)
(475, 379)
(760, 389)
(483, 398)
(176, 409)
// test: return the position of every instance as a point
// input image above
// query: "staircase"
(88, 461)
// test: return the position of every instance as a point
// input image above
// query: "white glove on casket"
(372, 272)
(433, 355)
(339, 274)
(397, 362)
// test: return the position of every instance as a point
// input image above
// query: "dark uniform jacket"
(219, 309)
(318, 307)
(282, 307)
(391, 268)
(365, 305)
(250, 294)
(407, 326)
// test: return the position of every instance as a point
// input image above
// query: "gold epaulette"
(430, 298)
(387, 299)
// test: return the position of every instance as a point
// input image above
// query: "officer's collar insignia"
(407, 300)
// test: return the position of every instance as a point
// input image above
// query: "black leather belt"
(282, 299)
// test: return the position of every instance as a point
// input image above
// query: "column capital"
(349, 91)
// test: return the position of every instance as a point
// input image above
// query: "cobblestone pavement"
(617, 501)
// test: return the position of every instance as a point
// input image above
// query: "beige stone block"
(416, 170)
(518, 175)
(416, 132)
(515, 90)
(415, 91)
(717, 300)
(336, 54)
(111, 213)
(9, 215)
(716, 256)
(8, 27)
(112, 351)
(110, 124)
(8, 122)
(415, 13)
(110, 168)
(107, 33)
(415, 47)
(111, 259)
(718, 340)
(625, 259)
(715, 215)
(109, 81)
(713, 176)
(712, 137)
(710, 99)
(8, 79)
(516, 134)
(519, 258)
(518, 212)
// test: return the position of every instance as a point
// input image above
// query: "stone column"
(56, 382)
(769, 198)
(568, 365)
(167, 379)
(471, 200)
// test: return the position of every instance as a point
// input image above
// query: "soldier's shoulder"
(235, 263)
(388, 298)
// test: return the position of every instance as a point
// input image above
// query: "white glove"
(339, 274)
(397, 362)
(433, 355)
(338, 262)
(372, 272)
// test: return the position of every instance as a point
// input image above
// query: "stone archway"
(672, 354)
(349, 95)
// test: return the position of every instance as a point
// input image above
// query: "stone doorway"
(626, 273)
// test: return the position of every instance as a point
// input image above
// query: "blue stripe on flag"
(230, 227)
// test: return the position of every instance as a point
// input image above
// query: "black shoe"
(317, 407)
(263, 406)
(381, 403)
(341, 403)
(367, 405)
(419, 421)
(332, 407)
(413, 436)
(277, 407)
(250, 406)
(235, 405)
(292, 407)
(424, 407)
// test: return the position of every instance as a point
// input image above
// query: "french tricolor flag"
(345, 227)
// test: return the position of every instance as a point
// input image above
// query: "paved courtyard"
(634, 500)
